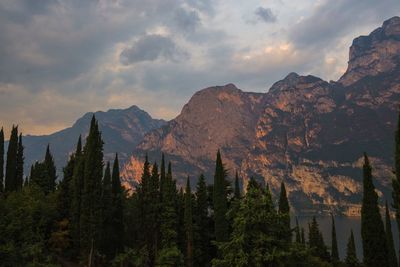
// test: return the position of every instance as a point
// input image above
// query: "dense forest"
(87, 218)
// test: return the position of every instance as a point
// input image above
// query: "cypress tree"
(1, 160)
(11, 163)
(19, 173)
(90, 219)
(162, 177)
(396, 180)
(188, 225)
(117, 208)
(65, 191)
(334, 245)
(237, 193)
(106, 245)
(351, 255)
(169, 254)
(316, 241)
(51, 177)
(392, 258)
(303, 239)
(372, 229)
(220, 201)
(284, 209)
(202, 222)
(76, 202)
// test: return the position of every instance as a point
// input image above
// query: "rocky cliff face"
(121, 129)
(304, 131)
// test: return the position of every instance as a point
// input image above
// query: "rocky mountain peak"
(373, 54)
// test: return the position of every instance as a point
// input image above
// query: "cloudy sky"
(62, 58)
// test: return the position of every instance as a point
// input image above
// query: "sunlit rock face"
(304, 131)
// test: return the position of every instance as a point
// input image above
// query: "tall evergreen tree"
(50, 167)
(334, 245)
(351, 255)
(1, 160)
(162, 177)
(237, 193)
(392, 258)
(64, 199)
(372, 229)
(106, 245)
(90, 217)
(316, 241)
(19, 173)
(117, 208)
(396, 180)
(10, 183)
(284, 209)
(298, 235)
(220, 201)
(202, 235)
(188, 225)
(169, 253)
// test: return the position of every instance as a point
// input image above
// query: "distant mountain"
(304, 131)
(122, 130)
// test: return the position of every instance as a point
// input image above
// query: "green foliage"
(220, 201)
(316, 242)
(19, 172)
(334, 246)
(188, 225)
(10, 182)
(392, 258)
(43, 174)
(351, 255)
(1, 161)
(284, 210)
(372, 229)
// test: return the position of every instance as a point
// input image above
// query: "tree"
(316, 241)
(50, 168)
(117, 208)
(284, 209)
(351, 255)
(237, 193)
(188, 225)
(202, 235)
(334, 245)
(220, 201)
(372, 229)
(19, 172)
(10, 183)
(106, 245)
(392, 258)
(90, 216)
(169, 254)
(1, 160)
(396, 180)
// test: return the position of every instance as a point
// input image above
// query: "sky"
(62, 58)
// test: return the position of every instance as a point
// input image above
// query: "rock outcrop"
(304, 131)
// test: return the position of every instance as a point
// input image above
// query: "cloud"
(152, 47)
(265, 14)
(187, 20)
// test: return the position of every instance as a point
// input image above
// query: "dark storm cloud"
(150, 48)
(186, 20)
(331, 20)
(265, 14)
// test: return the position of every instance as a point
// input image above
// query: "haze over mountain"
(304, 131)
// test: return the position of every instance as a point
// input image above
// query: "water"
(343, 227)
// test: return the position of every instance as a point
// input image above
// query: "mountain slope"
(121, 129)
(305, 131)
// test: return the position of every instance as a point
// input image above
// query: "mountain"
(122, 129)
(304, 131)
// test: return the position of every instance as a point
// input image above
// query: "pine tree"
(90, 218)
(188, 225)
(1, 161)
(76, 193)
(10, 183)
(237, 193)
(316, 241)
(162, 177)
(284, 209)
(19, 172)
(106, 245)
(372, 229)
(302, 235)
(117, 208)
(351, 255)
(51, 177)
(220, 201)
(202, 236)
(334, 245)
(169, 254)
(396, 180)
(392, 258)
